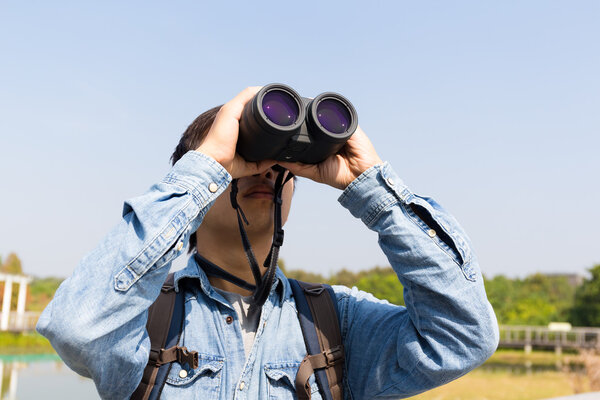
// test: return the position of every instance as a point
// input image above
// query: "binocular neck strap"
(214, 270)
(263, 282)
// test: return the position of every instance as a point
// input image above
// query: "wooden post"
(558, 350)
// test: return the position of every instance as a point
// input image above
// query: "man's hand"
(357, 155)
(221, 140)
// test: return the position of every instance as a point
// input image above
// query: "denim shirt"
(97, 319)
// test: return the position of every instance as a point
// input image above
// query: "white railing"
(544, 337)
(19, 322)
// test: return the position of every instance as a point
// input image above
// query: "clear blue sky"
(492, 108)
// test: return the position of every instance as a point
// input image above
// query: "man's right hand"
(221, 140)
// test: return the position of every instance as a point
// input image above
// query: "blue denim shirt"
(96, 321)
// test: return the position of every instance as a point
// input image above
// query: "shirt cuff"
(374, 191)
(201, 175)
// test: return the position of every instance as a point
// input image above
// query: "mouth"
(260, 192)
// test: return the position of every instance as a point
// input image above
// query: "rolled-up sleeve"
(448, 326)
(96, 321)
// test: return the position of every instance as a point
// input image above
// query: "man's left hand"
(357, 155)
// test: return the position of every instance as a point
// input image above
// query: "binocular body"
(279, 124)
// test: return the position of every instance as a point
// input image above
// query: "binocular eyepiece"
(279, 124)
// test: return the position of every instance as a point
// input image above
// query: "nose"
(270, 174)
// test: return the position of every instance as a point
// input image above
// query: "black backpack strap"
(165, 322)
(319, 320)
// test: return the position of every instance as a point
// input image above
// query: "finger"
(235, 106)
(244, 168)
(310, 171)
(359, 136)
(260, 166)
(229, 114)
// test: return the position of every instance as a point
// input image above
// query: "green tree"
(502, 294)
(41, 291)
(531, 311)
(586, 310)
(299, 274)
(383, 283)
(344, 277)
(536, 300)
(12, 265)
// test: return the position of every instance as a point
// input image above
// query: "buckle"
(154, 355)
(189, 357)
(167, 288)
(332, 356)
(233, 194)
(315, 290)
(278, 239)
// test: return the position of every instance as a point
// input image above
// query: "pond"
(27, 377)
(33, 376)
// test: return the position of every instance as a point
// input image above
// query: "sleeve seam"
(146, 267)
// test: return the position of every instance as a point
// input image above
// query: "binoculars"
(279, 124)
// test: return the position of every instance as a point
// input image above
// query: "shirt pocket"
(205, 380)
(281, 379)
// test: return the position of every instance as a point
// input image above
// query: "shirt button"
(242, 385)
(213, 187)
(183, 373)
(229, 319)
(390, 181)
(431, 233)
(179, 246)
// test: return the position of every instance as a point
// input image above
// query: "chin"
(261, 224)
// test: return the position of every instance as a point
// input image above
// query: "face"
(255, 197)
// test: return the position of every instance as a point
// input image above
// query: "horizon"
(586, 274)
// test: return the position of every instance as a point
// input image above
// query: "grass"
(483, 385)
(24, 343)
(519, 357)
(500, 383)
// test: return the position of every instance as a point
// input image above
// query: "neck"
(234, 259)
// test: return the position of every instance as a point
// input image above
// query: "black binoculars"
(279, 124)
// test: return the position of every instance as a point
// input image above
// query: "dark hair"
(195, 133)
(190, 140)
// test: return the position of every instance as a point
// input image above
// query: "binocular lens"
(333, 116)
(280, 108)
(279, 124)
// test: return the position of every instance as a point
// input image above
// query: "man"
(97, 319)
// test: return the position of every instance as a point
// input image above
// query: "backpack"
(318, 317)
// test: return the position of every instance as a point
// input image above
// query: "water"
(27, 377)
(35, 376)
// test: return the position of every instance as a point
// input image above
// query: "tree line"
(537, 299)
